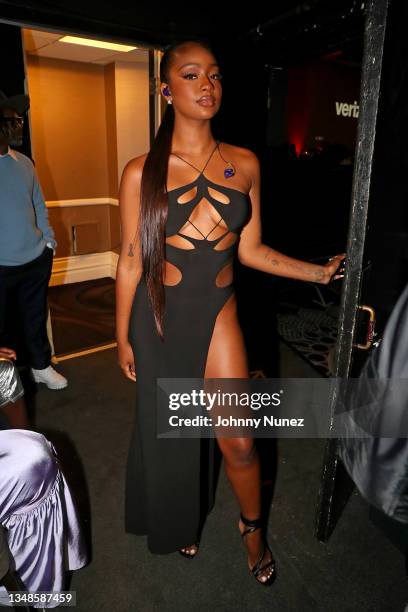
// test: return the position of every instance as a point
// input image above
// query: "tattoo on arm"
(131, 251)
(299, 268)
(271, 259)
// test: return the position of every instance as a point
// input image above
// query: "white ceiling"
(46, 44)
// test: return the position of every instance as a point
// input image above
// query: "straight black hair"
(153, 196)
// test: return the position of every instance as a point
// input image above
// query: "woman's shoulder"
(133, 170)
(135, 165)
(240, 155)
(242, 158)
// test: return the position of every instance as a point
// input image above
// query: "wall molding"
(82, 202)
(79, 268)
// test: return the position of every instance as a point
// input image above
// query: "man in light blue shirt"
(27, 244)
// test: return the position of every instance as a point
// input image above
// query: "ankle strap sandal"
(257, 569)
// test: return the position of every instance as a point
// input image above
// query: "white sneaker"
(50, 377)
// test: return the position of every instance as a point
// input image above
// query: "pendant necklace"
(229, 170)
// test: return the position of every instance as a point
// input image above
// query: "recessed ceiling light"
(101, 44)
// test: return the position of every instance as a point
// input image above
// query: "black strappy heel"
(258, 568)
(188, 555)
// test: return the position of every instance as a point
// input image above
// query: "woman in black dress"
(188, 208)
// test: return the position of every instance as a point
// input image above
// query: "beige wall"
(101, 221)
(87, 121)
(132, 111)
(69, 134)
(111, 132)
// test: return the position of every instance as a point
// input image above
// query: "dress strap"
(198, 230)
(192, 165)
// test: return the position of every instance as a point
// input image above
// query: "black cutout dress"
(169, 482)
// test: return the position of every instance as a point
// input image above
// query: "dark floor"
(357, 569)
(86, 310)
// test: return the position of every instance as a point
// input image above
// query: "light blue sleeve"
(41, 213)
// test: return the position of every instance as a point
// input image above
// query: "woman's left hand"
(334, 268)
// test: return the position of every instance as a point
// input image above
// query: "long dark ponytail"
(153, 198)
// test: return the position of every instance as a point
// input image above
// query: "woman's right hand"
(126, 360)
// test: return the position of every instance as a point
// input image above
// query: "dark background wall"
(314, 87)
(12, 69)
(387, 245)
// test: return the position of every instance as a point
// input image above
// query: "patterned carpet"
(82, 315)
(307, 321)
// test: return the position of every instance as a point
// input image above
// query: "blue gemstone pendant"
(229, 171)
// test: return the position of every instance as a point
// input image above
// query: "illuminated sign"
(347, 110)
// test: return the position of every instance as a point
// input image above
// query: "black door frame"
(335, 484)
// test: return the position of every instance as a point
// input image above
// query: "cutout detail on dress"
(196, 220)
(226, 242)
(225, 275)
(178, 241)
(221, 197)
(172, 274)
(187, 196)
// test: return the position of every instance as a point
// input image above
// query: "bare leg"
(227, 359)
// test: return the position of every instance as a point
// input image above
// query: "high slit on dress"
(169, 482)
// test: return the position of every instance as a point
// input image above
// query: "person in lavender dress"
(40, 534)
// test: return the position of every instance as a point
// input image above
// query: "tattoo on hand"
(130, 252)
(319, 274)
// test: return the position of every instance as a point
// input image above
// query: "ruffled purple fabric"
(38, 513)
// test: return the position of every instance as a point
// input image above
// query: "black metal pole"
(369, 96)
